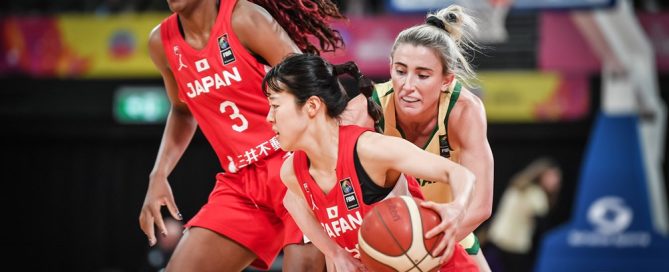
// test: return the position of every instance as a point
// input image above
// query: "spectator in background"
(513, 232)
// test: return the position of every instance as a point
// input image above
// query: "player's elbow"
(289, 202)
(483, 212)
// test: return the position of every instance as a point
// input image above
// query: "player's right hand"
(158, 194)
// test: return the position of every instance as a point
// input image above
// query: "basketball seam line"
(404, 251)
(422, 228)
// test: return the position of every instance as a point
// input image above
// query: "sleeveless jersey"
(342, 209)
(438, 144)
(221, 84)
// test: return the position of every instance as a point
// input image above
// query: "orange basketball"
(392, 236)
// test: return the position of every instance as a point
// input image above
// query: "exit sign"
(140, 105)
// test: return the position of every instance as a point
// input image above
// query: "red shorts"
(247, 207)
(460, 261)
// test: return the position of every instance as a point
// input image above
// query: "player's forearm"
(473, 219)
(462, 182)
(480, 208)
(179, 130)
(478, 211)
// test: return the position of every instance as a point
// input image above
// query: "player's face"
(417, 77)
(287, 120)
(179, 5)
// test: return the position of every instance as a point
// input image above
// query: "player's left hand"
(451, 216)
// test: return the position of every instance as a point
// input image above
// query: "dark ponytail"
(305, 75)
(365, 86)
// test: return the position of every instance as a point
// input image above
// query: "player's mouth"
(408, 99)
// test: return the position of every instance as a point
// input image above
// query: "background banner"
(80, 46)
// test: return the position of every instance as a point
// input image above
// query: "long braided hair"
(301, 18)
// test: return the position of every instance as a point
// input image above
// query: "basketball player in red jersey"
(305, 103)
(212, 56)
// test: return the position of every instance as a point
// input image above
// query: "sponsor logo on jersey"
(225, 49)
(444, 147)
(177, 52)
(348, 191)
(313, 203)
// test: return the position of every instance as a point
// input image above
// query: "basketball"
(392, 236)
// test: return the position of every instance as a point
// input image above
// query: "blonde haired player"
(426, 103)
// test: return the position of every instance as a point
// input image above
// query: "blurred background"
(82, 110)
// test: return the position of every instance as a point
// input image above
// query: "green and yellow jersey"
(437, 143)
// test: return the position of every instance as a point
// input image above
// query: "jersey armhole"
(371, 192)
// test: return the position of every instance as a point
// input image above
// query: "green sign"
(140, 105)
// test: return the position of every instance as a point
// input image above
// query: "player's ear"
(447, 82)
(312, 105)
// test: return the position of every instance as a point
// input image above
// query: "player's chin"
(410, 108)
(176, 5)
(283, 143)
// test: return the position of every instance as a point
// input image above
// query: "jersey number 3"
(235, 115)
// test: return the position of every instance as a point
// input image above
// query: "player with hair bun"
(426, 102)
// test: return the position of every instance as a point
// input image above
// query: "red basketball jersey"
(221, 84)
(341, 210)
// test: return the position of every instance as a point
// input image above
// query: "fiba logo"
(610, 215)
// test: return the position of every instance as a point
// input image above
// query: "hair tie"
(451, 17)
(434, 21)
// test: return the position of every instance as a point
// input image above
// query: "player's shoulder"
(468, 105)
(288, 170)
(154, 35)
(371, 143)
(383, 89)
(247, 13)
(155, 45)
(248, 18)
(468, 98)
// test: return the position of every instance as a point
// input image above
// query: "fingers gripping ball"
(392, 236)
